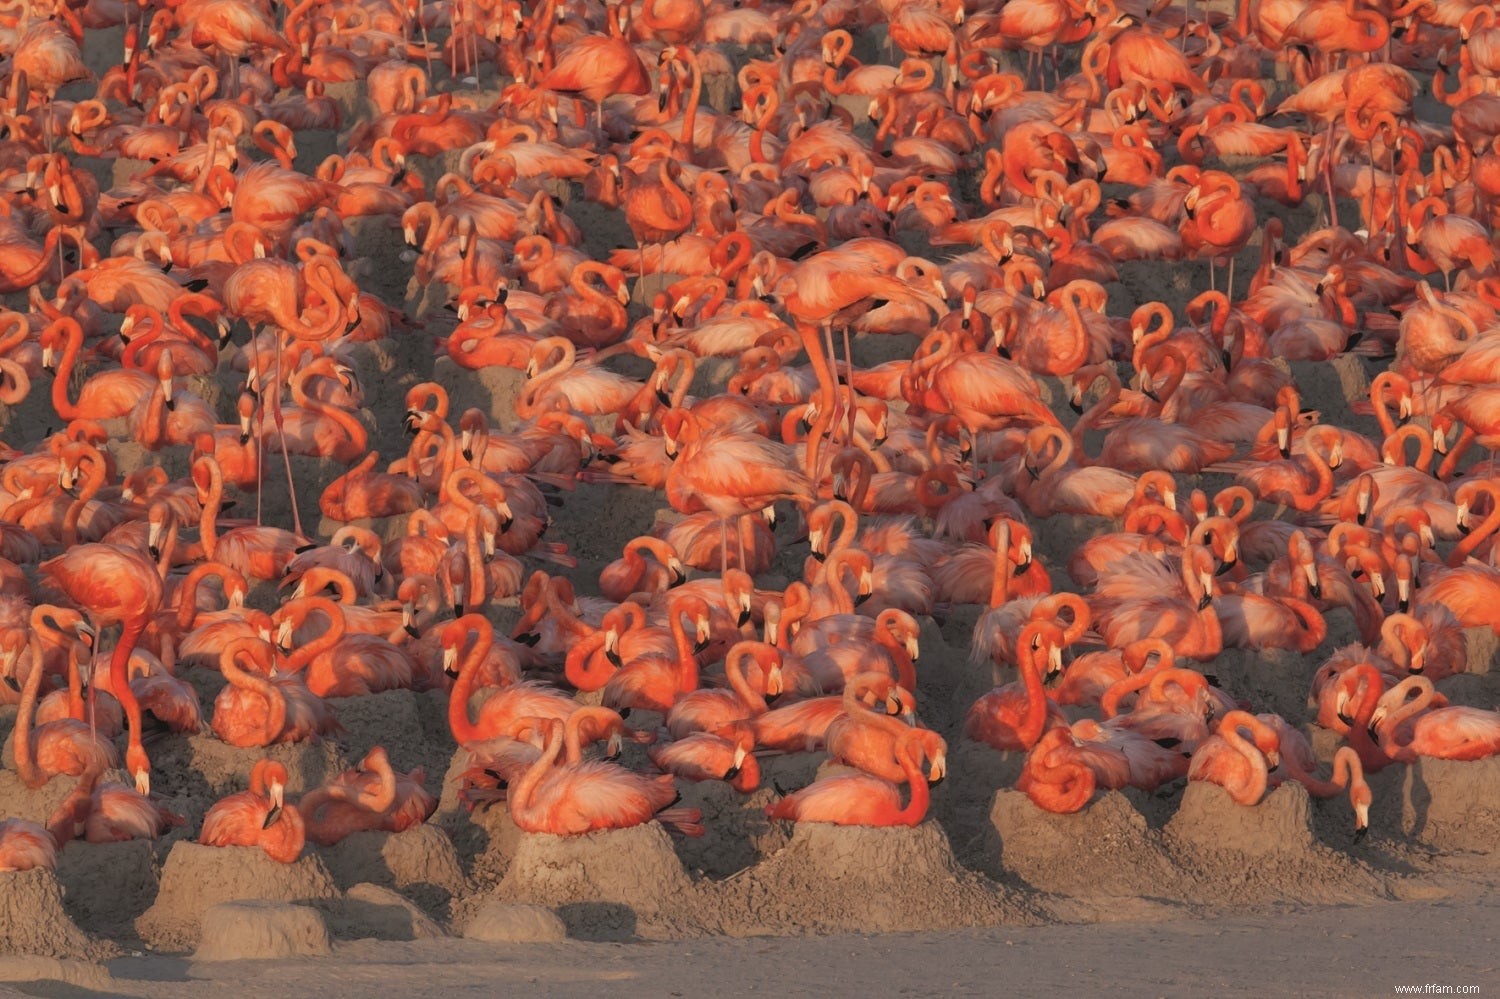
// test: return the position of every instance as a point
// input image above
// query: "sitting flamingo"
(258, 817)
(573, 800)
(862, 800)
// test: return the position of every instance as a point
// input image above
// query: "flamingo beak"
(739, 762)
(1025, 564)
(450, 661)
(277, 803)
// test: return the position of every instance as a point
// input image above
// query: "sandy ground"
(1362, 951)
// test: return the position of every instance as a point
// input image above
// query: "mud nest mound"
(197, 877)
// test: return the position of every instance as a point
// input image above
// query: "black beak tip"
(10, 682)
(731, 773)
(700, 645)
(154, 551)
(1076, 407)
(743, 619)
(411, 630)
(614, 658)
(1359, 834)
(1227, 566)
(861, 598)
(468, 453)
(271, 817)
(1204, 601)
(1316, 589)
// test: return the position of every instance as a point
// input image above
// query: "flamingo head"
(278, 802)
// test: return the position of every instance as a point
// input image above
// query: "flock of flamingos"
(1034, 145)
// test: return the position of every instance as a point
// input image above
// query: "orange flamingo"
(258, 817)
(593, 795)
(861, 800)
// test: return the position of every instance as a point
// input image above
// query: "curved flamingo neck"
(264, 688)
(325, 642)
(523, 790)
(584, 668)
(916, 808)
(464, 729)
(1252, 787)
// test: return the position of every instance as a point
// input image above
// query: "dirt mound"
(606, 885)
(196, 877)
(500, 922)
(261, 930)
(842, 879)
(33, 921)
(1228, 853)
(79, 974)
(368, 911)
(1105, 850)
(131, 870)
(1449, 804)
(738, 833)
(17, 801)
(1208, 819)
(421, 862)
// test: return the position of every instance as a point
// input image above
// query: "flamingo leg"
(93, 674)
(849, 373)
(739, 533)
(119, 680)
(260, 418)
(286, 458)
(833, 360)
(1328, 165)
